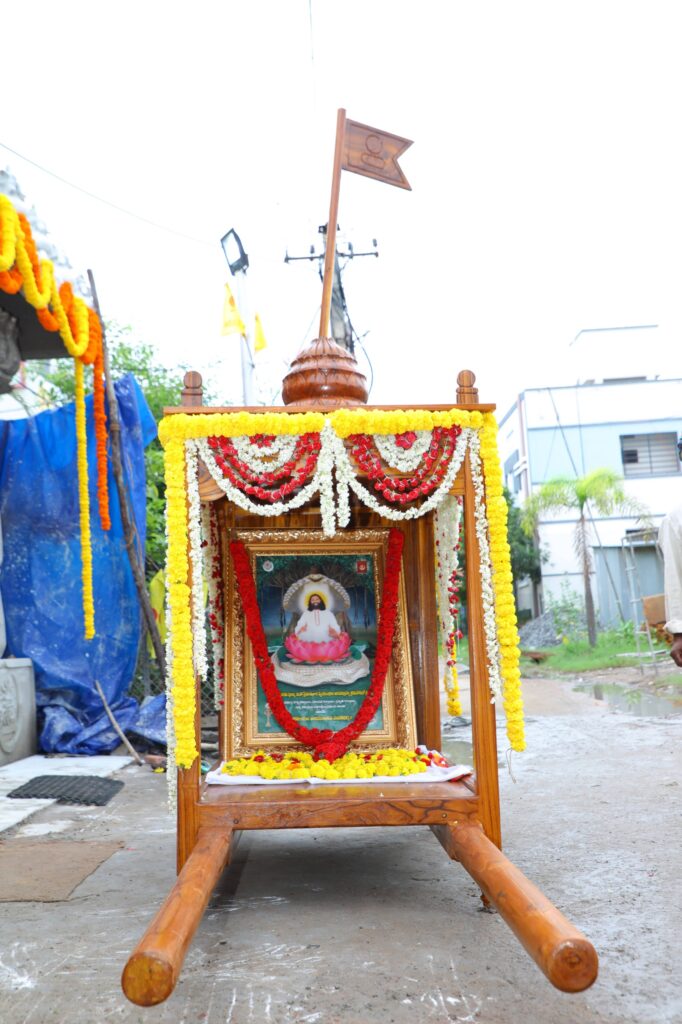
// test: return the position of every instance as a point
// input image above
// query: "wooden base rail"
(561, 951)
(152, 971)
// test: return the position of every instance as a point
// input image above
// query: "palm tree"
(602, 490)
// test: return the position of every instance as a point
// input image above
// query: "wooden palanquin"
(464, 815)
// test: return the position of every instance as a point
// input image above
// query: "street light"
(237, 260)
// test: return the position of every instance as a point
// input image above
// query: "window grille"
(649, 454)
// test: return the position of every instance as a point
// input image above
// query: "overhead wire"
(106, 202)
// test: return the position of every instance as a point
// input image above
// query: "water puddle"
(457, 751)
(636, 702)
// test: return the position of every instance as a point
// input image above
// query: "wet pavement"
(357, 925)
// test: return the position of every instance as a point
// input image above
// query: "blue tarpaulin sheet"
(40, 577)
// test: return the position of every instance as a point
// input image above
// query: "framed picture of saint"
(319, 604)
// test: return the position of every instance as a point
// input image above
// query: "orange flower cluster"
(58, 309)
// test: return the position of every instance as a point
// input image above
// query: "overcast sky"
(546, 173)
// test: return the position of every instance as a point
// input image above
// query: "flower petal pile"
(353, 765)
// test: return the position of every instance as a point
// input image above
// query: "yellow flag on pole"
(259, 342)
(157, 595)
(232, 318)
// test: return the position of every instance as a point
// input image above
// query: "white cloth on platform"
(432, 774)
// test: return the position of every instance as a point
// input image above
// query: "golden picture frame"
(291, 568)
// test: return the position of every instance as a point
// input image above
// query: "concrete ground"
(358, 925)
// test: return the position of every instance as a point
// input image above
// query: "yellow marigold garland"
(59, 309)
(451, 683)
(385, 421)
(238, 424)
(38, 282)
(175, 429)
(352, 765)
(505, 611)
(177, 569)
(84, 503)
(344, 422)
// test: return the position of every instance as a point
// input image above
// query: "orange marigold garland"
(10, 281)
(95, 354)
(58, 309)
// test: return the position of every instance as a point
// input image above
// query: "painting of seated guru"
(319, 602)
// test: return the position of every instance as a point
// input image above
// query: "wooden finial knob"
(467, 394)
(193, 390)
(325, 376)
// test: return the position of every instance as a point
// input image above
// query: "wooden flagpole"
(330, 248)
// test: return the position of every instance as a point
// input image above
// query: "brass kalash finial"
(324, 374)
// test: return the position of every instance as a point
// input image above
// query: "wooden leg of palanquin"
(561, 952)
(152, 971)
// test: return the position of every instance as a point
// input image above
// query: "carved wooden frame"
(240, 738)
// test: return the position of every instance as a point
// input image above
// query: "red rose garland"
(426, 479)
(216, 609)
(325, 742)
(299, 468)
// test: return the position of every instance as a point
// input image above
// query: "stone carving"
(9, 712)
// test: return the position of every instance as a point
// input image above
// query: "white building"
(631, 425)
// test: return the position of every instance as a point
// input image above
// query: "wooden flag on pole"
(374, 153)
(366, 151)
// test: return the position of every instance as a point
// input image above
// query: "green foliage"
(54, 380)
(602, 489)
(568, 611)
(526, 558)
(577, 655)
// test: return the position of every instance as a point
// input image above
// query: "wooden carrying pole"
(330, 247)
(561, 952)
(152, 971)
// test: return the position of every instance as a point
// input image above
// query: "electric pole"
(342, 330)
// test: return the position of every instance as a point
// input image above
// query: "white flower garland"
(196, 562)
(447, 525)
(334, 465)
(325, 476)
(346, 477)
(406, 460)
(343, 473)
(215, 604)
(237, 497)
(487, 590)
(266, 460)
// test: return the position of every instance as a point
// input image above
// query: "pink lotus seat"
(335, 649)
